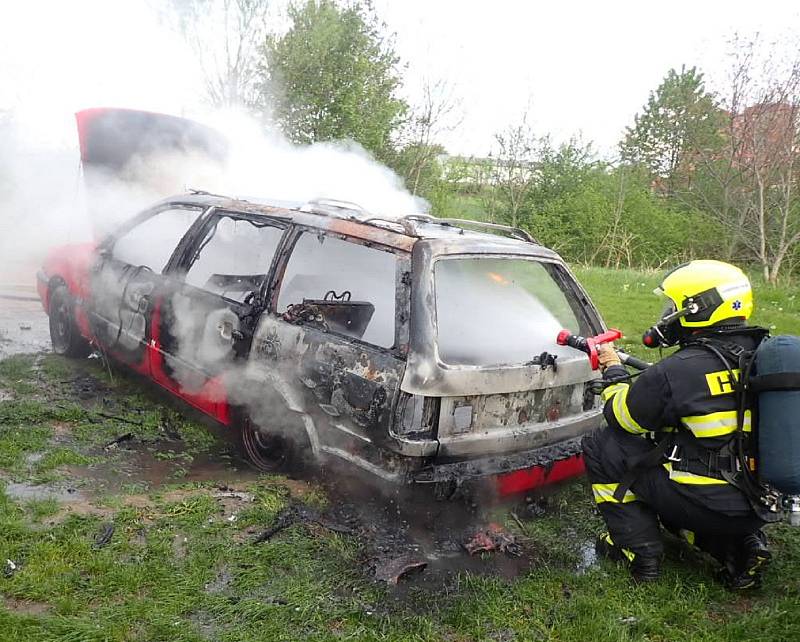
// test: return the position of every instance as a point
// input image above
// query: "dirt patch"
(180, 546)
(220, 582)
(61, 431)
(232, 502)
(25, 607)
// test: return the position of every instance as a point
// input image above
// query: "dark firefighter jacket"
(688, 398)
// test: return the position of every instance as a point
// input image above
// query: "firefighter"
(666, 454)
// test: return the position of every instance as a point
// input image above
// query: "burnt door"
(336, 341)
(128, 271)
(207, 314)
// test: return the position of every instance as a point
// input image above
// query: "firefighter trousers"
(654, 498)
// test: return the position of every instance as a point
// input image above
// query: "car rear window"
(493, 311)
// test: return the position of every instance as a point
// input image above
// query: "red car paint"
(70, 264)
(211, 399)
(537, 476)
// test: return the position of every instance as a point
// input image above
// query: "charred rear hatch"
(504, 385)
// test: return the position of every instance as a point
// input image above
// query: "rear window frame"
(566, 282)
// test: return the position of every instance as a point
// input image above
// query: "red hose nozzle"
(588, 344)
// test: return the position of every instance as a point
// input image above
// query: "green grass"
(627, 302)
(177, 569)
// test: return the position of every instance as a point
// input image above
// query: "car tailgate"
(510, 422)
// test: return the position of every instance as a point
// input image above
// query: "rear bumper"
(517, 472)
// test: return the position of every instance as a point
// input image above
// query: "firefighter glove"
(607, 356)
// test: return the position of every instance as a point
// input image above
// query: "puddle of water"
(29, 492)
(588, 557)
(24, 327)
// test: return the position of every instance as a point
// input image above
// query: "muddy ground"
(107, 443)
(124, 515)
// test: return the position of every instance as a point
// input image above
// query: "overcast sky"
(583, 66)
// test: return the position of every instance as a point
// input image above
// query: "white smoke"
(112, 53)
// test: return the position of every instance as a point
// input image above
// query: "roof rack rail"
(201, 192)
(406, 226)
(332, 202)
(351, 211)
(513, 232)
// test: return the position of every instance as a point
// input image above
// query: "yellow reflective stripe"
(716, 424)
(688, 535)
(605, 493)
(611, 390)
(623, 415)
(684, 477)
(628, 554)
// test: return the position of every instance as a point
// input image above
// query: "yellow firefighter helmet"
(709, 292)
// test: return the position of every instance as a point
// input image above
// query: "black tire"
(264, 451)
(64, 334)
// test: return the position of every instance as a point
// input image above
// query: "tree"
(226, 37)
(417, 159)
(513, 172)
(751, 185)
(334, 76)
(679, 118)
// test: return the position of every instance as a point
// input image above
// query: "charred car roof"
(444, 236)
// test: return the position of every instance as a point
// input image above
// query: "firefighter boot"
(644, 568)
(745, 566)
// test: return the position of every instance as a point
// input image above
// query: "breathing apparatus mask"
(669, 331)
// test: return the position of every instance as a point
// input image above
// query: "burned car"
(420, 349)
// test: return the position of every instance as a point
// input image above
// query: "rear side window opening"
(352, 285)
(493, 311)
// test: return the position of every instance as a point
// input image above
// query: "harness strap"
(714, 466)
(776, 381)
(637, 465)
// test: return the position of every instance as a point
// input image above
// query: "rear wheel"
(64, 334)
(265, 451)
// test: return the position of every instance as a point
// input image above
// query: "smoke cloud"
(111, 53)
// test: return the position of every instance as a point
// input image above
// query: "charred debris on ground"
(124, 517)
(77, 437)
